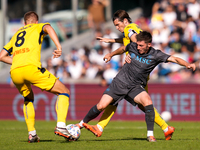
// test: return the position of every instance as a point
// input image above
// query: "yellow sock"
(29, 115)
(107, 115)
(62, 105)
(159, 121)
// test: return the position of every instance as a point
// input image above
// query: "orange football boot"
(94, 129)
(169, 133)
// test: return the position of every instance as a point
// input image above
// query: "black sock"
(149, 117)
(93, 113)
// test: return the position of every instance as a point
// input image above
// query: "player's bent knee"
(59, 88)
(65, 90)
(101, 107)
(148, 102)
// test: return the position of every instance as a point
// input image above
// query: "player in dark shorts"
(132, 79)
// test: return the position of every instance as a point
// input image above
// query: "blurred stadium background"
(175, 30)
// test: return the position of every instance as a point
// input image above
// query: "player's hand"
(191, 66)
(57, 53)
(128, 59)
(106, 40)
(107, 57)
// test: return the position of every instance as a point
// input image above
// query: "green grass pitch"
(118, 135)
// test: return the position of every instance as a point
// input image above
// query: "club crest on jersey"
(140, 59)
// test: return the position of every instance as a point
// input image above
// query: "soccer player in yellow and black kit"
(123, 23)
(25, 47)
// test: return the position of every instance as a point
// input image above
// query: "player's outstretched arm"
(118, 51)
(182, 62)
(49, 30)
(4, 57)
(107, 40)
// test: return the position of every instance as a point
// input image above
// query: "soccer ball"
(74, 131)
(166, 115)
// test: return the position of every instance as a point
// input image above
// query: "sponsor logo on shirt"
(21, 51)
(140, 59)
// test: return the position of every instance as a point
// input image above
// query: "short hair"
(121, 15)
(144, 36)
(31, 16)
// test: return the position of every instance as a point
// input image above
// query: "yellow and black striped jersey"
(25, 45)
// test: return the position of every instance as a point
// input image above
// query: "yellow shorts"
(23, 77)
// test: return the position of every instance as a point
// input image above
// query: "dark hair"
(31, 15)
(121, 15)
(144, 36)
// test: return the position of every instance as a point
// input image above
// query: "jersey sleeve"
(161, 57)
(42, 32)
(42, 26)
(131, 29)
(8, 47)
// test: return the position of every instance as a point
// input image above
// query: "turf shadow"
(119, 139)
(39, 141)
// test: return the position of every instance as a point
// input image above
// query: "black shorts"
(118, 91)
